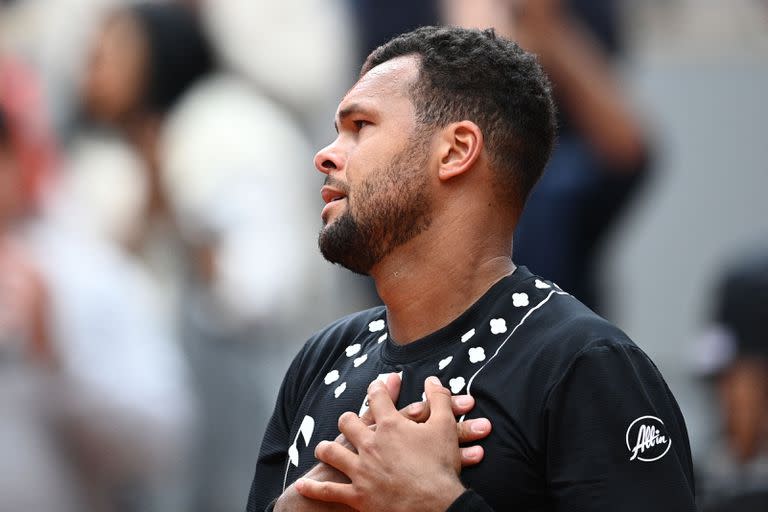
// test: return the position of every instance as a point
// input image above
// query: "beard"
(391, 207)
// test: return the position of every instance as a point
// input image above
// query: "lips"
(331, 194)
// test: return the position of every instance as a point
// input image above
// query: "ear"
(460, 146)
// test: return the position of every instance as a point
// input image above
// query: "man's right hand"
(468, 431)
(292, 501)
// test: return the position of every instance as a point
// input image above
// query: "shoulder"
(585, 351)
(564, 335)
(548, 330)
(564, 327)
(550, 320)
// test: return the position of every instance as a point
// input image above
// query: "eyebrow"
(354, 108)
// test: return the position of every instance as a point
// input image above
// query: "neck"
(427, 284)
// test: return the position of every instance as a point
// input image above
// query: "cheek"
(373, 169)
(362, 165)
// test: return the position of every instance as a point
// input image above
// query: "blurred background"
(159, 211)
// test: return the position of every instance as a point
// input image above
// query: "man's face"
(116, 71)
(377, 182)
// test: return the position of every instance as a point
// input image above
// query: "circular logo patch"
(647, 439)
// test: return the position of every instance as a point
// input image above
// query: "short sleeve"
(615, 437)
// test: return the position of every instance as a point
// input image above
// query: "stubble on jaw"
(390, 207)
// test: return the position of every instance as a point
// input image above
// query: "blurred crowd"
(159, 212)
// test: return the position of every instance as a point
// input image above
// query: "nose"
(329, 159)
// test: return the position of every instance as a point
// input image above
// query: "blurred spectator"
(229, 228)
(127, 410)
(602, 153)
(27, 132)
(144, 58)
(298, 52)
(734, 354)
(234, 165)
(32, 473)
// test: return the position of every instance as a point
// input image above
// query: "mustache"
(337, 184)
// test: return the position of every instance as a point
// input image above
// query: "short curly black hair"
(475, 75)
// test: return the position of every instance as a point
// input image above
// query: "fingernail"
(464, 401)
(480, 426)
(415, 408)
(434, 381)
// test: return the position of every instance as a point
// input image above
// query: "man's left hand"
(400, 466)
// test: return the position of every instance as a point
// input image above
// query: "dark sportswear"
(582, 419)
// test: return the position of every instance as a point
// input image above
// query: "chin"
(341, 244)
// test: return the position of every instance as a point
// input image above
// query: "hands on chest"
(393, 460)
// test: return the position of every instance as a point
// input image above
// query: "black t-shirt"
(582, 419)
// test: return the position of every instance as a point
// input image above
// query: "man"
(439, 143)
(733, 357)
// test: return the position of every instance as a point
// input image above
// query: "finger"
(472, 430)
(471, 455)
(419, 411)
(392, 382)
(379, 401)
(323, 472)
(439, 399)
(462, 404)
(325, 491)
(342, 440)
(354, 429)
(337, 456)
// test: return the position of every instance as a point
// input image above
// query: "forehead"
(387, 83)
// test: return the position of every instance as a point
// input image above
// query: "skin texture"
(375, 161)
(387, 209)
